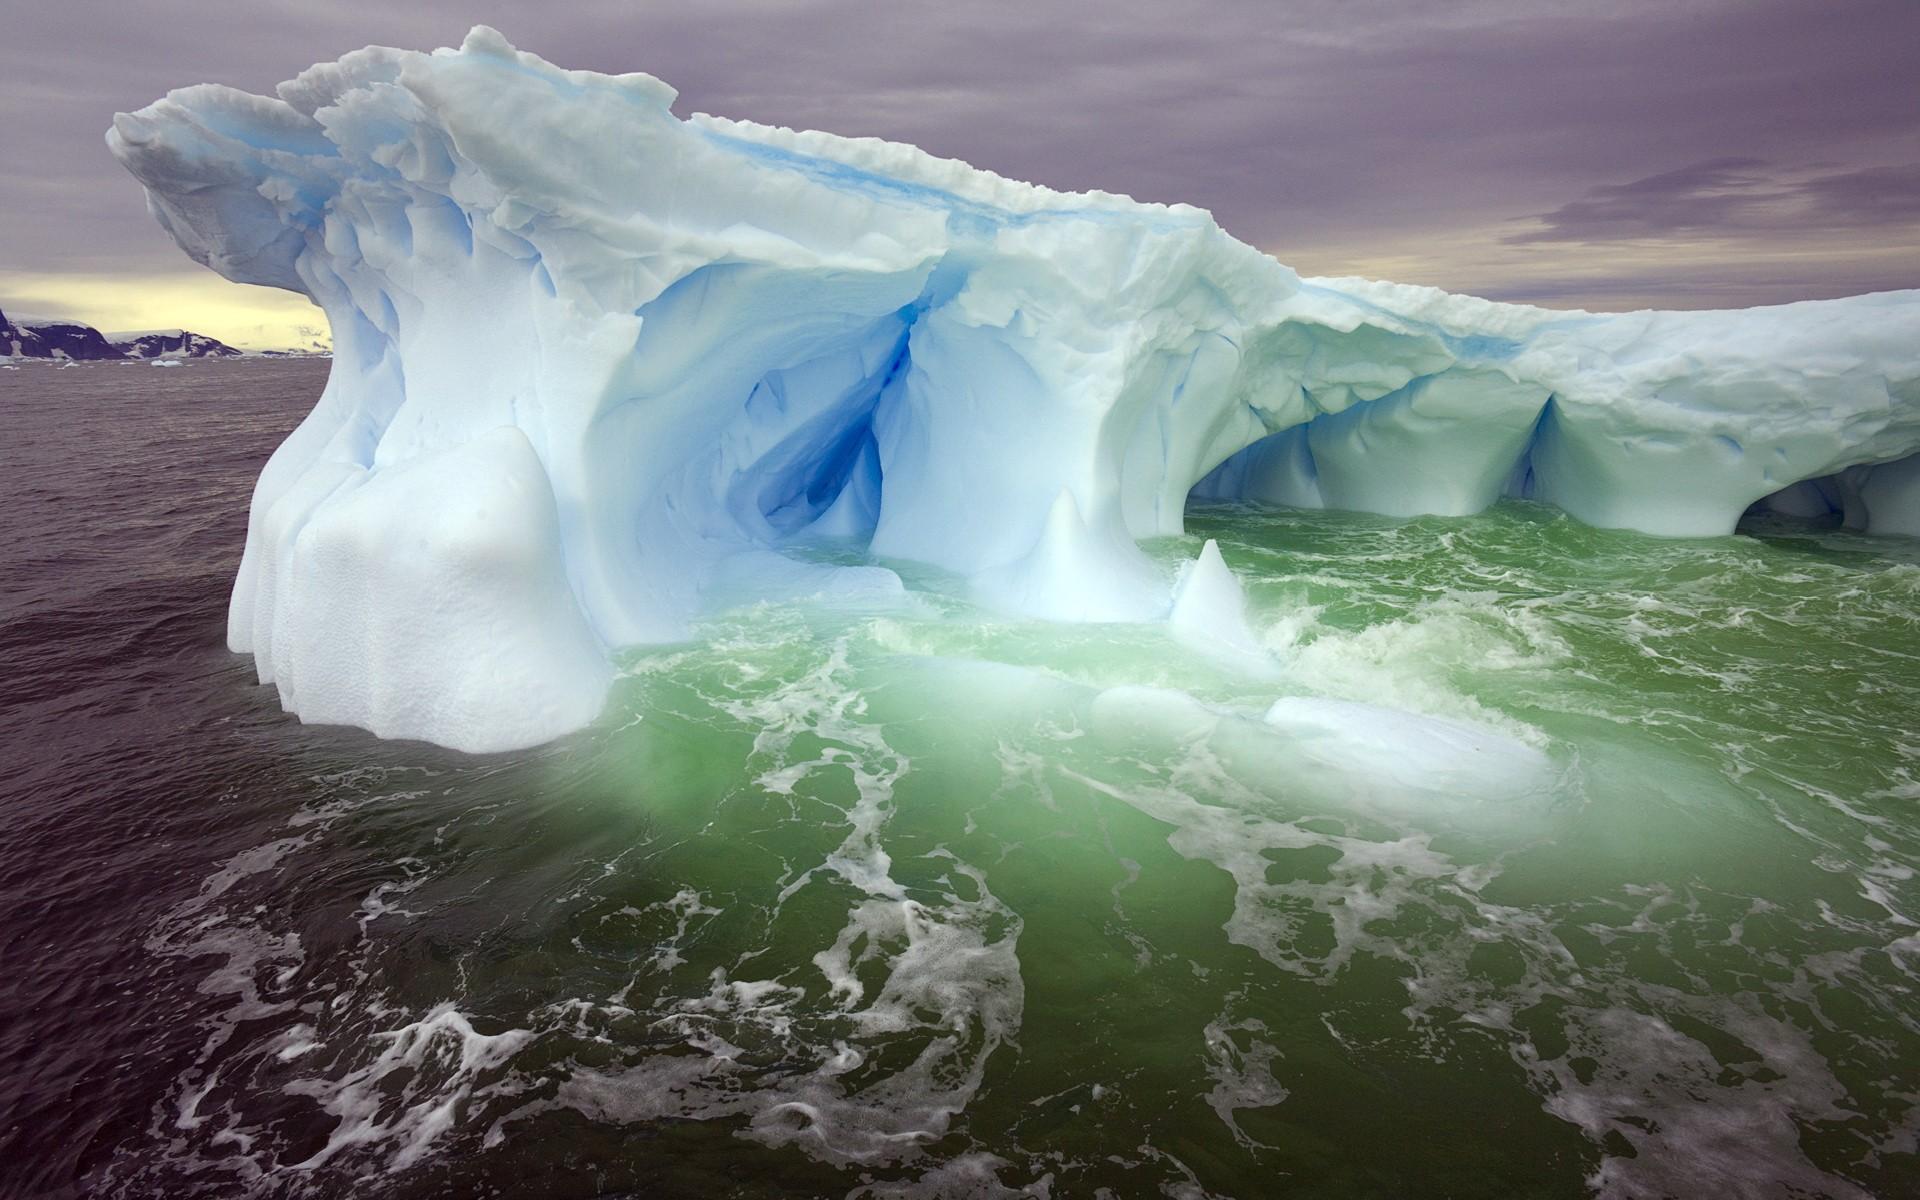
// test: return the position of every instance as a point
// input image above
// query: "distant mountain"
(174, 343)
(55, 339)
(35, 338)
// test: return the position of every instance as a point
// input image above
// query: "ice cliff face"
(596, 366)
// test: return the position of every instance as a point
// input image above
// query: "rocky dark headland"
(84, 343)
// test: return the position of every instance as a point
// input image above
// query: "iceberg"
(596, 366)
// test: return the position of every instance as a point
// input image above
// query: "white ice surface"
(661, 352)
(1376, 757)
(1209, 613)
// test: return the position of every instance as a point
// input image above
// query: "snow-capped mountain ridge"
(29, 337)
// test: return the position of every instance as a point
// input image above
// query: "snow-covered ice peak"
(664, 345)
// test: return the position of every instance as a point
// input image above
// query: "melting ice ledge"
(596, 367)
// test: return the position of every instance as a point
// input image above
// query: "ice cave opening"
(1877, 497)
(1443, 444)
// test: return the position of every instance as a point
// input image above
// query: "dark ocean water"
(139, 752)
(926, 902)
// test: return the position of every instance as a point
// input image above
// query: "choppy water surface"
(917, 900)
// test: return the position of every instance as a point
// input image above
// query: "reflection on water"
(1545, 860)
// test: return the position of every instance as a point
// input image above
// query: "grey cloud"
(1300, 125)
(1731, 198)
(1874, 197)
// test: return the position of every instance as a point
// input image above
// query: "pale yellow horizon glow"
(242, 315)
(1472, 260)
(1476, 261)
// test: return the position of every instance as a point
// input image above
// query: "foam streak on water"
(1531, 859)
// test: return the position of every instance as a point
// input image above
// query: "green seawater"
(1576, 862)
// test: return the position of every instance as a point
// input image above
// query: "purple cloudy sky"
(1684, 153)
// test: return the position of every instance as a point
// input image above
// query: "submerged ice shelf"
(597, 366)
